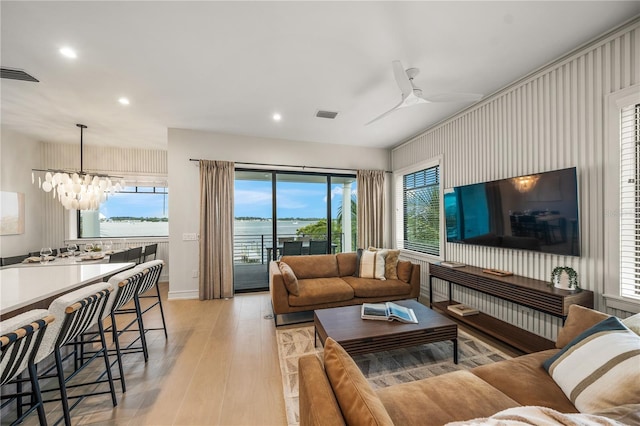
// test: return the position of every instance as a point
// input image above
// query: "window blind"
(630, 202)
(421, 211)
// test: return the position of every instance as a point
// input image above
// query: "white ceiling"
(228, 66)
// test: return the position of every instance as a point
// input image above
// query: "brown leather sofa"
(328, 281)
(458, 396)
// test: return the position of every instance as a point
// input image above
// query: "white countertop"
(20, 287)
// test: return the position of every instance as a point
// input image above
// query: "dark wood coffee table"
(357, 335)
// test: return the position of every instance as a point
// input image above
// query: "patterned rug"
(382, 368)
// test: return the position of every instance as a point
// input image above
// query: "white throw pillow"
(372, 264)
(633, 323)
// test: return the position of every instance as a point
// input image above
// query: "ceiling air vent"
(14, 74)
(326, 114)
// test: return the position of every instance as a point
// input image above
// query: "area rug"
(382, 368)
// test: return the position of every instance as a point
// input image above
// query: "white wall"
(18, 155)
(185, 187)
(549, 120)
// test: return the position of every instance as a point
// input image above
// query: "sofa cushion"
(525, 380)
(370, 264)
(346, 263)
(316, 266)
(359, 403)
(315, 291)
(633, 323)
(404, 270)
(289, 278)
(578, 320)
(369, 287)
(390, 262)
(437, 400)
(599, 368)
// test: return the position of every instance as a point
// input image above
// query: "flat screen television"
(536, 212)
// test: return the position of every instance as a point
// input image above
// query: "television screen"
(534, 212)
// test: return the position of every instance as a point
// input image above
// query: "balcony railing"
(253, 248)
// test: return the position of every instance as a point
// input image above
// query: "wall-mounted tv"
(534, 212)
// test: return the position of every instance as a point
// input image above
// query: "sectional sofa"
(333, 391)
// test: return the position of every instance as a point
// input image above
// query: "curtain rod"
(288, 165)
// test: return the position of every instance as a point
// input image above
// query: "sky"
(295, 199)
(136, 205)
(252, 198)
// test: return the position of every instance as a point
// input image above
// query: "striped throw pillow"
(371, 264)
(600, 368)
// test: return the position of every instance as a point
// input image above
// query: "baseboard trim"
(184, 294)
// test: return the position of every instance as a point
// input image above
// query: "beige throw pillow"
(390, 262)
(358, 402)
(289, 278)
(372, 264)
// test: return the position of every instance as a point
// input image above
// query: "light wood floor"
(219, 366)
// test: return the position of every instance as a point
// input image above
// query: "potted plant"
(564, 277)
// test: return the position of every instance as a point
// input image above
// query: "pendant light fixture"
(78, 190)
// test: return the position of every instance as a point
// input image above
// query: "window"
(136, 211)
(630, 202)
(418, 209)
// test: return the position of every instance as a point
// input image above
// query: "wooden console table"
(529, 292)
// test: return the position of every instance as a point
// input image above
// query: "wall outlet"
(189, 236)
(194, 273)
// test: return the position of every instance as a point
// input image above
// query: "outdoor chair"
(292, 248)
(318, 247)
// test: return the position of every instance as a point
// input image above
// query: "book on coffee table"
(462, 310)
(387, 312)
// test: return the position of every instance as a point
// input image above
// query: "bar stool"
(77, 311)
(153, 268)
(127, 284)
(20, 338)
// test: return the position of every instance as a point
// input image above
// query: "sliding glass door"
(253, 229)
(280, 213)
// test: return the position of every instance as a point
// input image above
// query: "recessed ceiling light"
(277, 117)
(124, 101)
(68, 52)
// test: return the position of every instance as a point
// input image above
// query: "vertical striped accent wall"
(120, 161)
(549, 120)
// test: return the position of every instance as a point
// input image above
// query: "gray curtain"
(370, 208)
(216, 229)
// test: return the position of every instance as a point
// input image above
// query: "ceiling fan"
(412, 95)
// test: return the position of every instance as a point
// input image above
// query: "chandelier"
(78, 190)
(525, 183)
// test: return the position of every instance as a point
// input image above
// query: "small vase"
(562, 281)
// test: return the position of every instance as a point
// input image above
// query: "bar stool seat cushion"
(14, 323)
(57, 309)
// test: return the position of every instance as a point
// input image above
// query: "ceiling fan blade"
(386, 113)
(454, 97)
(402, 79)
(413, 99)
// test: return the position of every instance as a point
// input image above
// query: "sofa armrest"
(318, 404)
(414, 282)
(279, 292)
